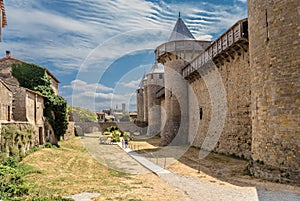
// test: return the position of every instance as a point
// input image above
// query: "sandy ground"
(215, 168)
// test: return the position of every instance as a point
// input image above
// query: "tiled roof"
(4, 22)
(18, 60)
(180, 31)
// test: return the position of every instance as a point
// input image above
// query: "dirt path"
(112, 156)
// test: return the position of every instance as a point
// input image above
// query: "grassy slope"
(71, 170)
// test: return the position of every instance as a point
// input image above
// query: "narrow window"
(8, 113)
(151, 77)
(201, 113)
(160, 76)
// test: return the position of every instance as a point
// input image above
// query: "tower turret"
(155, 82)
(175, 54)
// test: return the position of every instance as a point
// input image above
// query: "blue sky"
(100, 49)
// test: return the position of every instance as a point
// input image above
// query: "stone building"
(5, 102)
(28, 106)
(238, 95)
(6, 72)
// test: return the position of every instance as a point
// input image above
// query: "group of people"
(124, 143)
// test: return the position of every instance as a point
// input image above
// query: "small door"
(41, 139)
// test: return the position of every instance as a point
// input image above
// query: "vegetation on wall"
(34, 77)
(16, 140)
(82, 114)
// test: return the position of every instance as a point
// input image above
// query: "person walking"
(123, 143)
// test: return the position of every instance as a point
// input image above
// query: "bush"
(48, 145)
(11, 182)
(116, 136)
(51, 198)
(126, 135)
(12, 174)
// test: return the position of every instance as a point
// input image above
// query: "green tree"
(34, 77)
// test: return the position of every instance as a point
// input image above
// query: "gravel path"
(195, 189)
(112, 156)
(206, 191)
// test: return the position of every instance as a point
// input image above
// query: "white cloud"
(79, 85)
(132, 84)
(66, 34)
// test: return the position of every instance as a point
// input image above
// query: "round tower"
(140, 104)
(145, 99)
(275, 89)
(175, 54)
(140, 100)
(155, 82)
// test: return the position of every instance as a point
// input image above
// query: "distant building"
(123, 107)
(133, 116)
(100, 116)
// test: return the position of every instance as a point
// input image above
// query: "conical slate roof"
(180, 31)
(156, 68)
(141, 83)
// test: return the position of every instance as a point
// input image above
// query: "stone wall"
(275, 89)
(89, 127)
(175, 55)
(5, 102)
(16, 138)
(19, 104)
(70, 132)
(140, 104)
(154, 83)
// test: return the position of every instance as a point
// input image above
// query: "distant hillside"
(82, 114)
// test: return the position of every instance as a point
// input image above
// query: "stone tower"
(275, 69)
(140, 101)
(145, 99)
(175, 54)
(155, 82)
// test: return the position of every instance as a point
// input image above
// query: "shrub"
(11, 182)
(116, 137)
(12, 174)
(48, 145)
(126, 135)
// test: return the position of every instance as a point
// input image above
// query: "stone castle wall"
(235, 77)
(154, 82)
(275, 90)
(261, 78)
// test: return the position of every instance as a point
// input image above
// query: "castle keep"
(238, 95)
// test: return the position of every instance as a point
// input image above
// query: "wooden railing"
(181, 45)
(237, 32)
